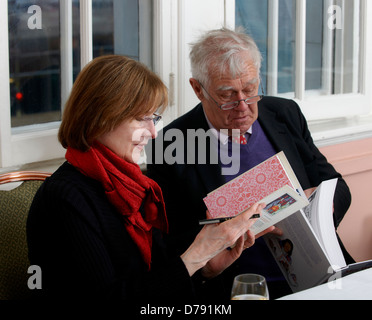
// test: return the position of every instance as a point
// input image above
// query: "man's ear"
(197, 88)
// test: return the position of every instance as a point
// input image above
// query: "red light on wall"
(19, 96)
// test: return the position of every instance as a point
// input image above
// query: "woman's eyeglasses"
(155, 118)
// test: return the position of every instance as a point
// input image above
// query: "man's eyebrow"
(225, 88)
(229, 88)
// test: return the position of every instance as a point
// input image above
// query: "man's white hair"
(221, 51)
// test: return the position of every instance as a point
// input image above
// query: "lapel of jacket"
(209, 174)
(277, 132)
(275, 129)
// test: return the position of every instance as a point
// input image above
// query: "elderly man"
(226, 79)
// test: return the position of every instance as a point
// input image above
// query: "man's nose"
(242, 106)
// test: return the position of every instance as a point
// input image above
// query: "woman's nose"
(153, 131)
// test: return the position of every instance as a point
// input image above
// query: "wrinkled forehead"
(234, 67)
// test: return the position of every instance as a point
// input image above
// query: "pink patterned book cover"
(252, 186)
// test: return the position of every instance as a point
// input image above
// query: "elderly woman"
(95, 226)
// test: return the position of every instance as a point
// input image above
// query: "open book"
(308, 252)
(272, 182)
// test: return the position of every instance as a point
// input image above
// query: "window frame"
(176, 24)
(38, 143)
(335, 106)
(319, 107)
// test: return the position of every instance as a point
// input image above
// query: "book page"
(279, 205)
(291, 175)
(298, 253)
(320, 215)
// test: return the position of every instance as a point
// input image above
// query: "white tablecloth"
(357, 286)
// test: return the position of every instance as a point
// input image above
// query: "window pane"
(76, 38)
(332, 47)
(286, 46)
(252, 16)
(314, 44)
(119, 27)
(103, 30)
(346, 50)
(332, 50)
(34, 63)
(123, 27)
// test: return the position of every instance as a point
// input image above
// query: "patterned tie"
(241, 139)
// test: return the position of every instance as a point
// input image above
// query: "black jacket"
(79, 240)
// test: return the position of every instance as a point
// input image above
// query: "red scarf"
(126, 188)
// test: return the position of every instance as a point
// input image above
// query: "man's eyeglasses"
(155, 118)
(234, 104)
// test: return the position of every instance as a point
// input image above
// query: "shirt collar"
(220, 135)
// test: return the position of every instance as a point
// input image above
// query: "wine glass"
(249, 287)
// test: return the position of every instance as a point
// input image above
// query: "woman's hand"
(209, 247)
(309, 192)
(224, 259)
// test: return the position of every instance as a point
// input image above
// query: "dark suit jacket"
(185, 185)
